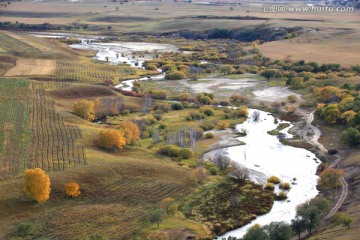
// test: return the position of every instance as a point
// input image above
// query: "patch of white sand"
(274, 94)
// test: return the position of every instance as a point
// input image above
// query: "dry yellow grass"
(31, 67)
(327, 46)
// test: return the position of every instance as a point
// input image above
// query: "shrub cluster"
(274, 180)
(176, 152)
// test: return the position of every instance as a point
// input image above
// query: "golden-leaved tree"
(84, 109)
(131, 131)
(112, 139)
(72, 189)
(37, 184)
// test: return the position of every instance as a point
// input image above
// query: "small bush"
(164, 107)
(25, 229)
(176, 75)
(222, 125)
(72, 189)
(159, 94)
(269, 186)
(282, 196)
(145, 135)
(151, 67)
(292, 98)
(208, 112)
(125, 112)
(224, 103)
(177, 106)
(157, 116)
(186, 153)
(226, 116)
(170, 151)
(274, 180)
(285, 186)
(209, 135)
(213, 170)
(207, 126)
(195, 116)
(162, 126)
(332, 151)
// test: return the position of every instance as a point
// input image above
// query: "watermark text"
(284, 8)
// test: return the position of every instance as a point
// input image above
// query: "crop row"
(54, 144)
(91, 73)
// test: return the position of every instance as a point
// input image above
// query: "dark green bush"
(208, 112)
(177, 106)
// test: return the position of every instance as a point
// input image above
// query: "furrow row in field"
(54, 144)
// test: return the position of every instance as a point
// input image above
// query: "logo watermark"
(284, 8)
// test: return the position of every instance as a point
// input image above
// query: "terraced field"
(14, 125)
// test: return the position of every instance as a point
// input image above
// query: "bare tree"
(200, 174)
(194, 135)
(155, 136)
(147, 103)
(240, 174)
(221, 159)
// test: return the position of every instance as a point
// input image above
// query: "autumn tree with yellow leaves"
(84, 109)
(131, 131)
(72, 189)
(37, 184)
(112, 139)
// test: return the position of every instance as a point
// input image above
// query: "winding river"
(264, 155)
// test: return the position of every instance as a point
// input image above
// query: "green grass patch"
(14, 124)
(276, 82)
(280, 127)
(12, 45)
(227, 205)
(245, 76)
